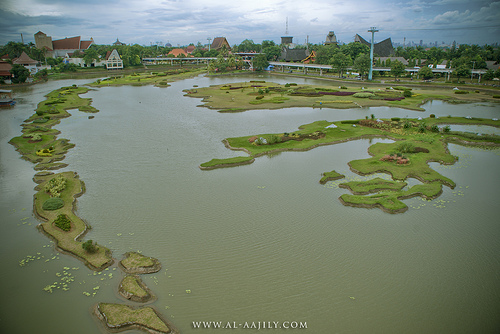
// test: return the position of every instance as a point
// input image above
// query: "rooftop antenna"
(286, 30)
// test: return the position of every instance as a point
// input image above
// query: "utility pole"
(473, 64)
(373, 30)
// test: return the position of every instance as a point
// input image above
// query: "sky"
(181, 22)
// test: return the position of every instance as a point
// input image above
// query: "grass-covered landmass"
(229, 162)
(47, 149)
(135, 263)
(123, 317)
(243, 96)
(68, 241)
(160, 79)
(390, 201)
(132, 287)
(331, 176)
(372, 186)
(416, 143)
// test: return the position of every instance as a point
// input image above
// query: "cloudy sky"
(181, 22)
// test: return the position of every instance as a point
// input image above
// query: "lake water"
(261, 242)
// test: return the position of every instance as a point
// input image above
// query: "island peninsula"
(55, 203)
(416, 141)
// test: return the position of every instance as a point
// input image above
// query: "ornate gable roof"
(219, 42)
(24, 59)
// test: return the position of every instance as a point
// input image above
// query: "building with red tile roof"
(177, 52)
(60, 47)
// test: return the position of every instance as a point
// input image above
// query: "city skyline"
(181, 22)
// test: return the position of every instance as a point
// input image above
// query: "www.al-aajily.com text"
(258, 325)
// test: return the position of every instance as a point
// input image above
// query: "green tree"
(90, 55)
(324, 53)
(362, 64)
(20, 73)
(248, 46)
(89, 246)
(461, 71)
(340, 62)
(397, 68)
(425, 73)
(271, 50)
(354, 49)
(42, 75)
(260, 62)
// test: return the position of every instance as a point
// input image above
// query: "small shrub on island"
(406, 147)
(89, 246)
(62, 221)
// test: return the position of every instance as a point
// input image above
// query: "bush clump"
(461, 92)
(407, 93)
(62, 221)
(406, 147)
(364, 95)
(55, 186)
(89, 246)
(53, 203)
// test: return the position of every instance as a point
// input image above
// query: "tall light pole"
(373, 30)
(209, 39)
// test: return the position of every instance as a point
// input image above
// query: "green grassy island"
(119, 317)
(159, 79)
(135, 263)
(243, 96)
(56, 195)
(416, 141)
(134, 289)
(331, 176)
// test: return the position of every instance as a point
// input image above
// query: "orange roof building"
(60, 47)
(177, 52)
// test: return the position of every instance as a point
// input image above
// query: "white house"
(113, 60)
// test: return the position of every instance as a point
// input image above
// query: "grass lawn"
(372, 186)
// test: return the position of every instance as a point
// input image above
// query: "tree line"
(352, 55)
